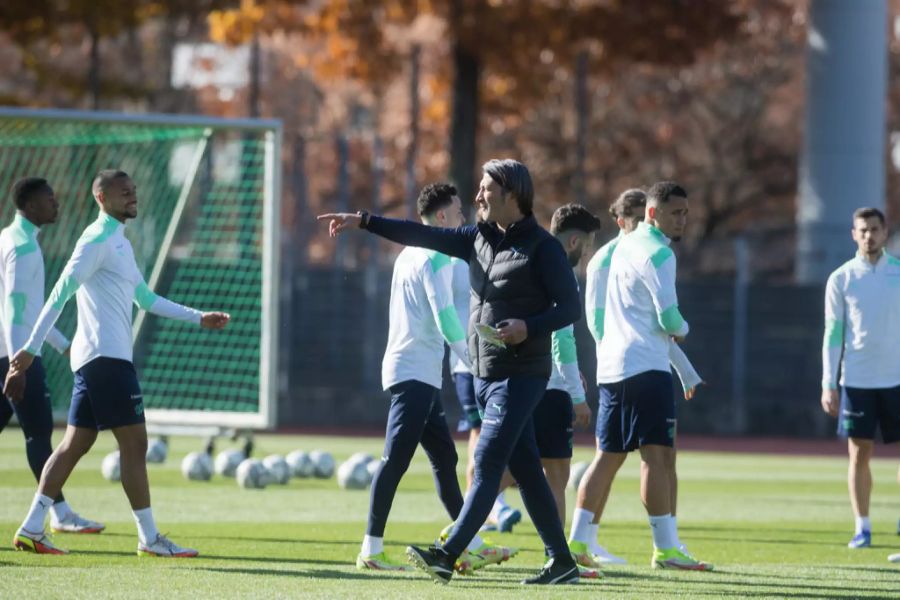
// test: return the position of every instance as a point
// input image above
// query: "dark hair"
(660, 192)
(629, 205)
(26, 188)
(434, 197)
(573, 216)
(512, 176)
(104, 178)
(868, 212)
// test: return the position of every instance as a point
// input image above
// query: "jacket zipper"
(484, 284)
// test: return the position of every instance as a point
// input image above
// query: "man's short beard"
(677, 238)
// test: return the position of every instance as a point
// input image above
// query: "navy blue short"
(34, 412)
(864, 410)
(637, 411)
(553, 424)
(105, 395)
(465, 393)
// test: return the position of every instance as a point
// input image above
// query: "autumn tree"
(31, 22)
(498, 48)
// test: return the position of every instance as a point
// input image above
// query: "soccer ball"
(157, 450)
(361, 457)
(575, 475)
(353, 476)
(197, 466)
(372, 468)
(323, 464)
(227, 462)
(110, 467)
(278, 468)
(251, 474)
(300, 463)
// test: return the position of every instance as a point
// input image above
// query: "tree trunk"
(464, 124)
(255, 76)
(413, 148)
(581, 130)
(94, 65)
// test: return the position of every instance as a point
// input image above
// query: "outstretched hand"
(338, 222)
(214, 320)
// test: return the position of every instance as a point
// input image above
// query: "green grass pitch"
(774, 526)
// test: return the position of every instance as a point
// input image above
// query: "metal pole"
(739, 335)
(844, 148)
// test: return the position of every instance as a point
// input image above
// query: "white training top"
(22, 287)
(462, 293)
(595, 312)
(641, 310)
(862, 321)
(565, 375)
(422, 316)
(105, 279)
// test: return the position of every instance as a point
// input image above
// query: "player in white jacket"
(22, 293)
(104, 277)
(862, 326)
(629, 211)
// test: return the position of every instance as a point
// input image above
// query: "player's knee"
(133, 447)
(860, 451)
(557, 476)
(655, 459)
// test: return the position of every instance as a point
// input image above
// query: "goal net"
(206, 236)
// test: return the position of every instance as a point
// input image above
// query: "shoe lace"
(166, 543)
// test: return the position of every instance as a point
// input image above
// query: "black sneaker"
(555, 572)
(433, 560)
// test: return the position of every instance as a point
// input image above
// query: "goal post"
(206, 235)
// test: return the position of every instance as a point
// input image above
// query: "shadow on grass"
(744, 588)
(727, 532)
(738, 538)
(315, 574)
(234, 538)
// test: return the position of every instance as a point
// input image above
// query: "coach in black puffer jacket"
(523, 286)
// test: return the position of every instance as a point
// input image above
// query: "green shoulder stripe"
(24, 243)
(661, 255)
(438, 261)
(99, 230)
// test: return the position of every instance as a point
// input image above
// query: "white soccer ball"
(157, 451)
(372, 468)
(227, 462)
(576, 473)
(278, 468)
(323, 464)
(361, 457)
(110, 467)
(353, 476)
(251, 474)
(300, 463)
(197, 466)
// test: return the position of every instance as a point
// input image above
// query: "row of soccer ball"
(355, 473)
